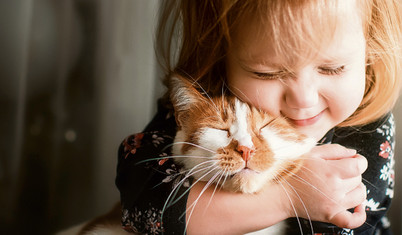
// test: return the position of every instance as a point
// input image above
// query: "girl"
(332, 68)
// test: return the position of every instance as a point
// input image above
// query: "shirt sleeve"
(153, 190)
(375, 142)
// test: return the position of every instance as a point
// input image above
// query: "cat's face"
(232, 144)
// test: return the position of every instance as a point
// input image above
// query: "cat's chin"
(247, 172)
(245, 181)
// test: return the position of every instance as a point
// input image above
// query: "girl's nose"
(302, 93)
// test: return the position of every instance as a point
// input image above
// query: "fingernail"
(352, 151)
(363, 164)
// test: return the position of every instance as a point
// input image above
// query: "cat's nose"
(245, 152)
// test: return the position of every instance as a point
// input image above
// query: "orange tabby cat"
(232, 144)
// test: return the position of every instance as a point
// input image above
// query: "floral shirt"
(146, 178)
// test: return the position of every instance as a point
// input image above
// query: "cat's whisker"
(334, 165)
(169, 157)
(187, 175)
(203, 163)
(191, 172)
(242, 93)
(363, 179)
(258, 101)
(300, 179)
(304, 181)
(169, 201)
(301, 201)
(371, 184)
(172, 194)
(223, 99)
(226, 174)
(221, 173)
(224, 89)
(304, 168)
(212, 178)
(211, 181)
(316, 175)
(192, 206)
(292, 204)
(205, 93)
(192, 144)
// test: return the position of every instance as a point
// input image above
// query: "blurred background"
(76, 77)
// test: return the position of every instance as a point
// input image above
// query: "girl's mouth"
(308, 121)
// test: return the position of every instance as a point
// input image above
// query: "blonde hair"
(194, 36)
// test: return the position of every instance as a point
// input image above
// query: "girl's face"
(316, 94)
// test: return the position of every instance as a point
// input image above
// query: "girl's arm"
(328, 184)
(233, 213)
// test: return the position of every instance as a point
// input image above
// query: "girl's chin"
(316, 132)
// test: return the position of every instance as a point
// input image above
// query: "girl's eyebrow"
(251, 65)
(260, 68)
(339, 56)
(338, 59)
(264, 65)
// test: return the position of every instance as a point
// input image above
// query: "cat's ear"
(183, 96)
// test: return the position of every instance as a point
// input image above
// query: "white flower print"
(385, 222)
(385, 172)
(346, 231)
(388, 172)
(173, 174)
(157, 140)
(388, 128)
(389, 192)
(371, 204)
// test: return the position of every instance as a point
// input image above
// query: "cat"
(249, 147)
(237, 147)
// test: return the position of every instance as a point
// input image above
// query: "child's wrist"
(286, 203)
(281, 209)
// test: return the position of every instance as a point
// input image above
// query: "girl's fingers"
(348, 185)
(346, 219)
(350, 167)
(355, 197)
(333, 152)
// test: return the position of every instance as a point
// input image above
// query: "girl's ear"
(183, 96)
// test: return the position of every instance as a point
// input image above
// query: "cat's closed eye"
(223, 131)
(266, 124)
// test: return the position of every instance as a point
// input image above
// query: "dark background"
(76, 77)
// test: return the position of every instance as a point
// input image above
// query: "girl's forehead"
(278, 39)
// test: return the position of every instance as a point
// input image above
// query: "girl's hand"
(328, 184)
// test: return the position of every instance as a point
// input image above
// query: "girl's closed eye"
(270, 75)
(331, 70)
(277, 75)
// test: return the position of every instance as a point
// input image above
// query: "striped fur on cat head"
(230, 143)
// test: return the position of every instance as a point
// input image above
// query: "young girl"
(332, 68)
